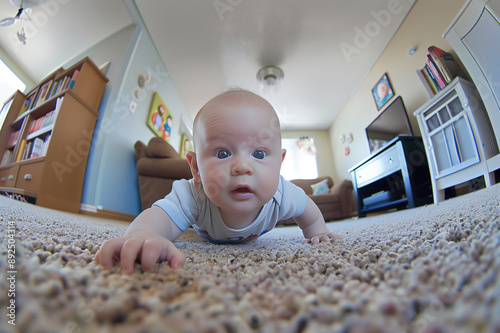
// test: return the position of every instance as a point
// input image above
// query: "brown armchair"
(337, 204)
(158, 166)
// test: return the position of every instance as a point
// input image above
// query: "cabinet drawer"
(8, 177)
(30, 176)
(381, 166)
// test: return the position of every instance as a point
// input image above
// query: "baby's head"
(238, 155)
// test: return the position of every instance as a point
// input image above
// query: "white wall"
(111, 177)
(422, 28)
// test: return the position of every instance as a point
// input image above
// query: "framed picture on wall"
(186, 145)
(159, 118)
(382, 92)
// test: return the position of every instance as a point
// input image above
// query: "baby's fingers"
(174, 256)
(333, 235)
(109, 250)
(154, 251)
(321, 238)
(151, 251)
(131, 250)
(313, 240)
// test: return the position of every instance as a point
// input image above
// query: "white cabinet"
(474, 36)
(457, 135)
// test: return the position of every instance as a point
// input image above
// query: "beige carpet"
(430, 269)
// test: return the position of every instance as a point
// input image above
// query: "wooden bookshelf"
(46, 136)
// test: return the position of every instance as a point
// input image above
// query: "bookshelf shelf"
(43, 133)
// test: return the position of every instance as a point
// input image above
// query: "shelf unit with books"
(440, 69)
(458, 137)
(46, 137)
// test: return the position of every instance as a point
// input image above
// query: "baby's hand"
(321, 238)
(146, 246)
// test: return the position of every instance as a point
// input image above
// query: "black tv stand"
(395, 176)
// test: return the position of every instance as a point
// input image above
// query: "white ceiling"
(209, 46)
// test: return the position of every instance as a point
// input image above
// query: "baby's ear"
(193, 164)
(283, 153)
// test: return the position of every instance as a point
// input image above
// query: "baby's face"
(238, 156)
(382, 89)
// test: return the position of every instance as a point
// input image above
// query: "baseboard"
(105, 213)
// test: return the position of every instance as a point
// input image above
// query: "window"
(9, 83)
(300, 160)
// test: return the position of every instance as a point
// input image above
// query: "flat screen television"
(390, 123)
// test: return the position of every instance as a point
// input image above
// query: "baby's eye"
(259, 154)
(222, 154)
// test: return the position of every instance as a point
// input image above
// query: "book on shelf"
(435, 72)
(43, 93)
(53, 89)
(73, 79)
(428, 86)
(59, 85)
(37, 148)
(6, 157)
(13, 138)
(27, 150)
(439, 70)
(28, 102)
(20, 152)
(46, 144)
(446, 63)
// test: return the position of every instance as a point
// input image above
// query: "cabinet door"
(451, 136)
(486, 51)
(474, 37)
(454, 146)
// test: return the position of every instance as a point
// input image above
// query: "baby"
(236, 193)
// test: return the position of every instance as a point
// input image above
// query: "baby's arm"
(313, 225)
(149, 238)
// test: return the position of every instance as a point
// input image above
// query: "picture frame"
(382, 91)
(186, 145)
(159, 118)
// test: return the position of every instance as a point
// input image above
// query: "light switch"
(133, 106)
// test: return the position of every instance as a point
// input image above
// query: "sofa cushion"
(325, 199)
(320, 187)
(157, 147)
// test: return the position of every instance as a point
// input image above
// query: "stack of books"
(440, 69)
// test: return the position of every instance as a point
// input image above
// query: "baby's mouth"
(242, 191)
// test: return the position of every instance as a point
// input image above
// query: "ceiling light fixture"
(270, 78)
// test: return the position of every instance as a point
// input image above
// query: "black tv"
(390, 123)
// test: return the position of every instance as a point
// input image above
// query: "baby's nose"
(241, 166)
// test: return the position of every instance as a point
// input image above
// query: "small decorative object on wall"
(382, 92)
(347, 151)
(141, 81)
(186, 145)
(159, 118)
(349, 137)
(342, 138)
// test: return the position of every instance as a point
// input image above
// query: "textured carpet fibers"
(429, 269)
